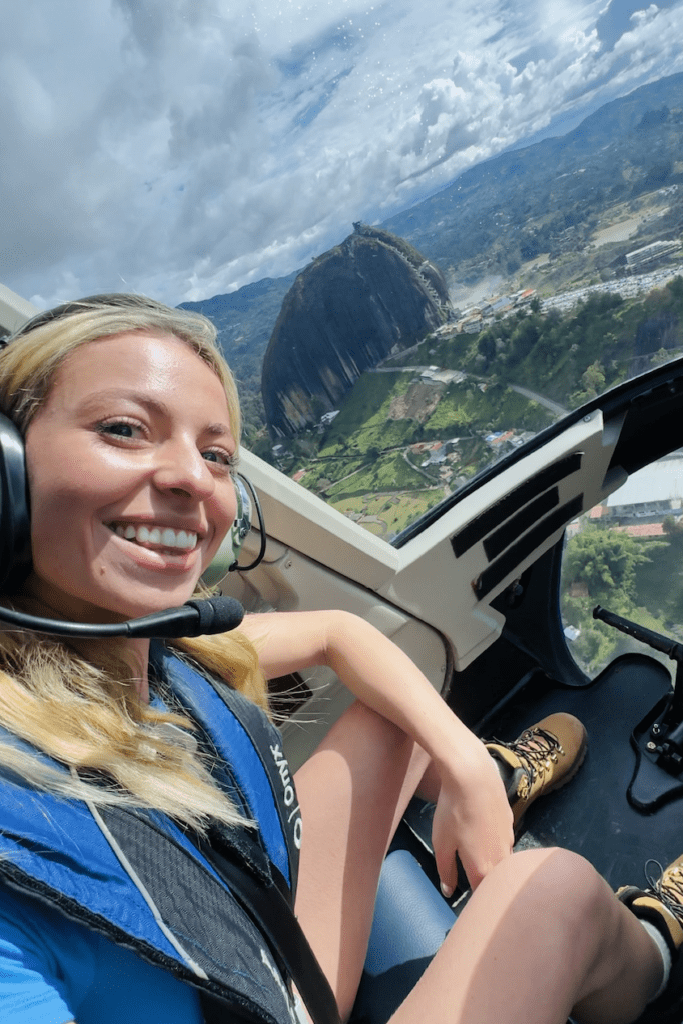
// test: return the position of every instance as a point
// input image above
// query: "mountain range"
(496, 219)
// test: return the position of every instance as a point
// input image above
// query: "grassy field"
(459, 352)
(466, 407)
(362, 421)
(395, 511)
(359, 464)
(387, 473)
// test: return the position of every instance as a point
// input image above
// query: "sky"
(184, 148)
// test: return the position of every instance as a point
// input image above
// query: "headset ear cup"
(242, 525)
(15, 523)
(225, 559)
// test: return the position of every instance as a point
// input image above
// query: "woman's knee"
(568, 889)
(573, 878)
(366, 734)
(363, 720)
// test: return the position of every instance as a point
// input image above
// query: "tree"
(605, 562)
(656, 176)
(661, 356)
(670, 525)
(524, 337)
(593, 380)
(487, 346)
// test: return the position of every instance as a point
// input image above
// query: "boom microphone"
(195, 618)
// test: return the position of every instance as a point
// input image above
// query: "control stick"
(658, 739)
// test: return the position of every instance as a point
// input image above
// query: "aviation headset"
(15, 521)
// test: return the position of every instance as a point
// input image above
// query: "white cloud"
(653, 42)
(640, 18)
(186, 147)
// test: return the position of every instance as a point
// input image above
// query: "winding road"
(533, 396)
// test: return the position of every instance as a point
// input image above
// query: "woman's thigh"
(542, 937)
(352, 791)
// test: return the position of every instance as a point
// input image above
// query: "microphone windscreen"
(217, 614)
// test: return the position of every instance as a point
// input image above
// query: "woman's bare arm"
(472, 813)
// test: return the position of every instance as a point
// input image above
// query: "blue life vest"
(53, 850)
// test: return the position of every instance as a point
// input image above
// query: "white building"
(649, 253)
(435, 376)
(655, 489)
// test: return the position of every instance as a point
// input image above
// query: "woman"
(131, 428)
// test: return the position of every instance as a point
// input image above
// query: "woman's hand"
(472, 818)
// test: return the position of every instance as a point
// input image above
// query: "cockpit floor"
(591, 815)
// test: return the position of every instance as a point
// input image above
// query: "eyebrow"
(152, 404)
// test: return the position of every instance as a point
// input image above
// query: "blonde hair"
(76, 702)
(34, 353)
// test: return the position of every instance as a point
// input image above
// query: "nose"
(182, 470)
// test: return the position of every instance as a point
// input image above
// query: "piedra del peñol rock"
(343, 314)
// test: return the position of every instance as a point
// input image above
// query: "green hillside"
(569, 357)
(401, 442)
(636, 577)
(551, 197)
(384, 433)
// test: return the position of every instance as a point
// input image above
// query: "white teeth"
(158, 536)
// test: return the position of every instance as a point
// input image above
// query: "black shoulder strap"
(261, 900)
(257, 766)
(271, 912)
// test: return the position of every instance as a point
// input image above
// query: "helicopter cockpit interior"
(471, 592)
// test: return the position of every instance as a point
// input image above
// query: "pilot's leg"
(353, 792)
(543, 759)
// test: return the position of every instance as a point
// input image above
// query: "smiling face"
(129, 465)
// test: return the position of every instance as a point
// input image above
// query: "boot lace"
(668, 890)
(538, 750)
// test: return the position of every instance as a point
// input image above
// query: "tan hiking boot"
(544, 758)
(661, 902)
